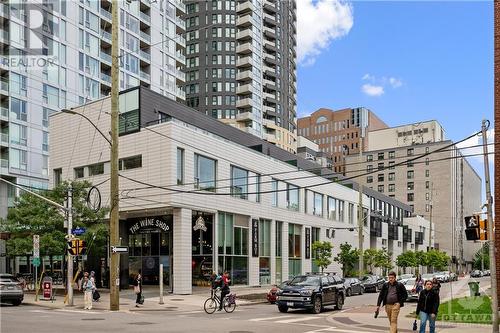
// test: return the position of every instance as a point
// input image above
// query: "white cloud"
(377, 85)
(372, 90)
(395, 83)
(473, 146)
(318, 23)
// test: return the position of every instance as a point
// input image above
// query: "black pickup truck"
(313, 292)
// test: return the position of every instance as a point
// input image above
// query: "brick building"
(337, 132)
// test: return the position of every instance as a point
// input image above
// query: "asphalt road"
(248, 319)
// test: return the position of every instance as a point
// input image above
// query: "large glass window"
(279, 247)
(318, 204)
(274, 194)
(239, 182)
(180, 166)
(351, 213)
(202, 249)
(265, 252)
(232, 248)
(18, 134)
(18, 109)
(332, 208)
(18, 159)
(292, 197)
(341, 210)
(314, 238)
(294, 249)
(205, 173)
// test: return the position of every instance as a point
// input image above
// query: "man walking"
(393, 295)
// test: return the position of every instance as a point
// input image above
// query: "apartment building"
(442, 187)
(73, 66)
(241, 65)
(338, 132)
(228, 212)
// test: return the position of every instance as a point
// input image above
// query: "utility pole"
(461, 239)
(489, 203)
(360, 210)
(430, 217)
(70, 236)
(114, 299)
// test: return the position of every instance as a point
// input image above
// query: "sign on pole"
(36, 246)
(119, 249)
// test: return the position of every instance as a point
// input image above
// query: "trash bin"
(474, 288)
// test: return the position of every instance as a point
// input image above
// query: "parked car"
(10, 289)
(271, 295)
(412, 293)
(442, 277)
(372, 283)
(486, 272)
(353, 287)
(453, 276)
(313, 292)
(428, 277)
(476, 273)
(403, 277)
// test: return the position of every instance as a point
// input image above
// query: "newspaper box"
(47, 288)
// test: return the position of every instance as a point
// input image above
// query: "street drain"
(93, 319)
(141, 323)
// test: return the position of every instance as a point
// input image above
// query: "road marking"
(269, 318)
(336, 330)
(289, 321)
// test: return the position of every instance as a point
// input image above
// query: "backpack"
(217, 282)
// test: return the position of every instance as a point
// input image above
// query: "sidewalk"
(151, 299)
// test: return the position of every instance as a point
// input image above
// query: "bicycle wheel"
(210, 305)
(228, 306)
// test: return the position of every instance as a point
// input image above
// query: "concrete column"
(182, 269)
(284, 252)
(253, 262)
(273, 252)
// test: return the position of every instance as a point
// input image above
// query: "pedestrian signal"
(77, 247)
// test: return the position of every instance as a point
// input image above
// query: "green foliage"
(437, 259)
(378, 259)
(422, 258)
(323, 252)
(466, 310)
(407, 259)
(483, 253)
(347, 257)
(32, 215)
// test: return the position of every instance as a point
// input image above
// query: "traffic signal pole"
(489, 203)
(69, 278)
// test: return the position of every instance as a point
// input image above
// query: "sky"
(405, 61)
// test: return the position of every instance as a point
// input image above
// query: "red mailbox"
(47, 288)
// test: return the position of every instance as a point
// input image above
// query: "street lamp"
(90, 121)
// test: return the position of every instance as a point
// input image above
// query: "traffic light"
(77, 247)
(483, 230)
(472, 227)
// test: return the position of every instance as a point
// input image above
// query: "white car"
(403, 277)
(409, 285)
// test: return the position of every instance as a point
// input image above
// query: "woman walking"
(138, 289)
(419, 284)
(88, 288)
(427, 308)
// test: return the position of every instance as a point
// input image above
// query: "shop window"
(239, 182)
(205, 173)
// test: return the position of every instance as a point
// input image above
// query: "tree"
(481, 257)
(323, 252)
(370, 258)
(383, 260)
(347, 257)
(422, 258)
(32, 215)
(437, 259)
(407, 259)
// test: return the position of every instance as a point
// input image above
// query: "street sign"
(77, 247)
(119, 249)
(36, 246)
(36, 261)
(78, 231)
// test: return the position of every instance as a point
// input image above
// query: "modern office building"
(338, 132)
(73, 65)
(236, 202)
(241, 65)
(442, 187)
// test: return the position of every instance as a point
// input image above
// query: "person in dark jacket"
(393, 295)
(427, 308)
(436, 286)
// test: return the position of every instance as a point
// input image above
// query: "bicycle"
(213, 302)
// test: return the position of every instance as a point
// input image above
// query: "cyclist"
(224, 288)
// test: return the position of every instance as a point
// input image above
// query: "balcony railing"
(145, 76)
(181, 57)
(180, 22)
(4, 137)
(145, 35)
(145, 17)
(105, 77)
(4, 163)
(106, 35)
(145, 55)
(4, 112)
(105, 13)
(106, 57)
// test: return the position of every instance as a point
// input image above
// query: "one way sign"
(119, 249)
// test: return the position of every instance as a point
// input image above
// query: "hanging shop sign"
(255, 237)
(150, 225)
(200, 224)
(308, 243)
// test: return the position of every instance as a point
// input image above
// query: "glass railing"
(106, 34)
(106, 57)
(145, 54)
(4, 137)
(145, 76)
(4, 163)
(145, 17)
(105, 77)
(105, 13)
(146, 36)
